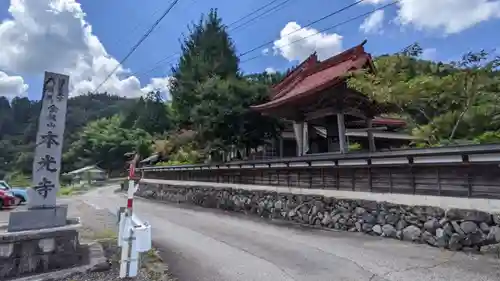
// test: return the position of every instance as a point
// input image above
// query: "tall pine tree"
(207, 52)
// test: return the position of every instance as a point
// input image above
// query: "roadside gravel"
(101, 225)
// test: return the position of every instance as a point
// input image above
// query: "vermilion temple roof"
(313, 76)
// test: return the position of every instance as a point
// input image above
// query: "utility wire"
(171, 57)
(253, 12)
(276, 8)
(305, 26)
(158, 64)
(325, 29)
(144, 37)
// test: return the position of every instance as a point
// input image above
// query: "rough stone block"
(33, 219)
(454, 229)
(31, 252)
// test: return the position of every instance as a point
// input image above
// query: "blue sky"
(118, 24)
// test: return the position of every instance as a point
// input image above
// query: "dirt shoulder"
(101, 226)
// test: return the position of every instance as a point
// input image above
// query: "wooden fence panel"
(466, 180)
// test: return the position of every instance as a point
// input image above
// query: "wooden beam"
(372, 129)
(329, 111)
(356, 113)
(320, 113)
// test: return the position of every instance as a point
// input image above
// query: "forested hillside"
(444, 103)
(19, 121)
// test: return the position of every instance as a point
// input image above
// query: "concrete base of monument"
(30, 252)
(38, 218)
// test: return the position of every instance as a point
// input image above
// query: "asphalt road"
(206, 245)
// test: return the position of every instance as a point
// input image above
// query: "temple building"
(323, 114)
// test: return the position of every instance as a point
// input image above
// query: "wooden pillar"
(371, 139)
(332, 133)
(298, 130)
(312, 139)
(273, 148)
(281, 146)
(341, 126)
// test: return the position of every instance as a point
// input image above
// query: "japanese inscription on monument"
(49, 140)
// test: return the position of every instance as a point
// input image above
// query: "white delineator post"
(128, 266)
(134, 235)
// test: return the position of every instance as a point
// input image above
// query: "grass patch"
(68, 190)
(18, 180)
(65, 191)
(107, 234)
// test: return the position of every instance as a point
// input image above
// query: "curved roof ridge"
(292, 76)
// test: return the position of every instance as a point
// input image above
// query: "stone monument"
(41, 238)
(42, 209)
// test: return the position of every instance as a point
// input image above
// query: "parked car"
(19, 193)
(7, 199)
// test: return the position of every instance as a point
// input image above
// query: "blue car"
(20, 193)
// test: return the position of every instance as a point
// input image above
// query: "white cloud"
(447, 16)
(376, 2)
(429, 54)
(53, 35)
(159, 84)
(265, 51)
(451, 16)
(11, 86)
(270, 70)
(300, 44)
(373, 23)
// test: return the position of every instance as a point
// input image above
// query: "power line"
(141, 24)
(325, 29)
(253, 12)
(305, 26)
(144, 37)
(170, 57)
(167, 59)
(276, 8)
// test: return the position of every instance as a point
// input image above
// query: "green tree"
(442, 102)
(5, 117)
(19, 123)
(132, 113)
(265, 78)
(225, 118)
(105, 142)
(150, 114)
(207, 52)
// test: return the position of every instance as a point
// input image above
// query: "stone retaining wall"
(453, 229)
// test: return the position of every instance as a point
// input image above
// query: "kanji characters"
(60, 92)
(44, 187)
(46, 163)
(50, 139)
(48, 89)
